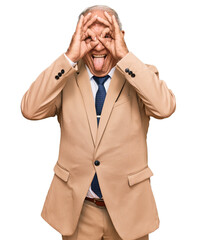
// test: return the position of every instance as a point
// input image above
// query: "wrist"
(123, 54)
(70, 61)
(71, 57)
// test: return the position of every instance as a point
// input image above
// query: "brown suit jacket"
(119, 143)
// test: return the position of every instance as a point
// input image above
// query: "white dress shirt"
(94, 87)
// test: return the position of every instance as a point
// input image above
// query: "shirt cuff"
(70, 61)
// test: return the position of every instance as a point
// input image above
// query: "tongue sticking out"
(98, 63)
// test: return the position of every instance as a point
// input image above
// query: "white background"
(33, 35)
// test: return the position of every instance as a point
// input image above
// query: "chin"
(100, 73)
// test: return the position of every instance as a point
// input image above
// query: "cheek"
(109, 39)
(87, 41)
(109, 59)
(109, 62)
(88, 60)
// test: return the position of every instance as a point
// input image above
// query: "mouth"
(99, 56)
(98, 61)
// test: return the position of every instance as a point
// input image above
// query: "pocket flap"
(139, 176)
(61, 172)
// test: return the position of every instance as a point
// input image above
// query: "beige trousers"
(95, 224)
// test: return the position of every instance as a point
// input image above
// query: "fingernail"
(95, 38)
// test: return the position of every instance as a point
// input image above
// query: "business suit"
(119, 143)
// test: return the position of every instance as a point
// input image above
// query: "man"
(103, 96)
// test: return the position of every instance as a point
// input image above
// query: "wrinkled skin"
(99, 41)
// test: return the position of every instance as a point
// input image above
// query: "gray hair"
(104, 8)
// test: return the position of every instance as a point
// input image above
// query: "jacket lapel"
(113, 92)
(88, 98)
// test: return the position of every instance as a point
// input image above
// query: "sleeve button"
(62, 71)
(56, 77)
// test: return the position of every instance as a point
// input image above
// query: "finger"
(80, 24)
(106, 32)
(89, 33)
(89, 23)
(87, 17)
(92, 44)
(105, 22)
(108, 17)
(105, 42)
(116, 26)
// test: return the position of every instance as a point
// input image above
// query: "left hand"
(115, 37)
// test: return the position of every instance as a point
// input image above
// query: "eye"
(107, 36)
(88, 38)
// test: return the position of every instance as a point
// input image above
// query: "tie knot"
(101, 80)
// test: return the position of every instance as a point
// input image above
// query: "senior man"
(103, 96)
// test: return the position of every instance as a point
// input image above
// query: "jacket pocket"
(140, 176)
(61, 172)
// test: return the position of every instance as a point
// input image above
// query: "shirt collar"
(91, 75)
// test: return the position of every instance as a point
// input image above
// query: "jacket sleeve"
(158, 100)
(43, 98)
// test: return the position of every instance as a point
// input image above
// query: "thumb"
(105, 42)
(92, 44)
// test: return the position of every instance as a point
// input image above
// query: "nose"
(99, 47)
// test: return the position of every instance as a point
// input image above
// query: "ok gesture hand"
(112, 37)
(79, 46)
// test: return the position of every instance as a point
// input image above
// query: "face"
(99, 60)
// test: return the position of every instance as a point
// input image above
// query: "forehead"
(99, 13)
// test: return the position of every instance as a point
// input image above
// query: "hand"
(83, 40)
(112, 37)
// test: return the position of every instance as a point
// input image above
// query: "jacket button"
(59, 74)
(127, 70)
(57, 77)
(132, 74)
(97, 163)
(62, 71)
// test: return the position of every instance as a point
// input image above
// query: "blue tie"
(100, 98)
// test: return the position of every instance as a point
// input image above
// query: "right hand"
(83, 39)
